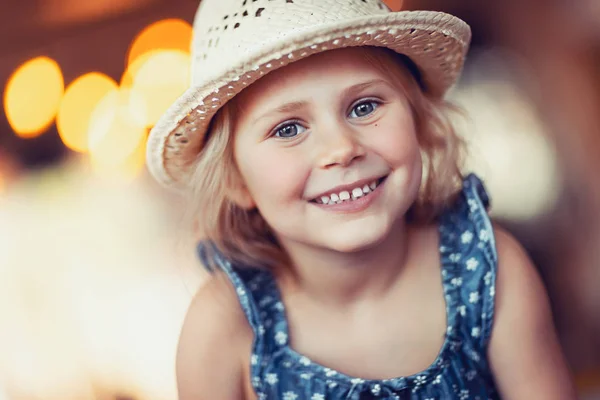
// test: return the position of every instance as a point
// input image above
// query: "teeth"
(337, 198)
(356, 193)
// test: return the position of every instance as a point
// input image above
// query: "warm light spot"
(32, 96)
(168, 34)
(116, 139)
(80, 101)
(158, 78)
(121, 170)
(395, 5)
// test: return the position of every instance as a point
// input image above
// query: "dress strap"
(260, 301)
(469, 261)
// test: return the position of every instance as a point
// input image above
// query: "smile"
(349, 195)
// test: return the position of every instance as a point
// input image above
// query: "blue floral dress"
(461, 370)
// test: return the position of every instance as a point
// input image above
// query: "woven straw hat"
(238, 41)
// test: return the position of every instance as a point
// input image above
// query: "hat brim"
(436, 42)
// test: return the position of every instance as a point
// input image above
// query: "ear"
(241, 197)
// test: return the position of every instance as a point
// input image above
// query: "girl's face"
(328, 151)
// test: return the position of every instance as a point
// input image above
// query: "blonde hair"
(244, 237)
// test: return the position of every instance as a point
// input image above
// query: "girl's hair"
(244, 237)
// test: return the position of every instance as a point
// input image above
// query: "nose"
(339, 146)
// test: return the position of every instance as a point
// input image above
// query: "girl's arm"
(524, 353)
(213, 339)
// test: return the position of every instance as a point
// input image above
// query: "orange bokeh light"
(32, 96)
(395, 5)
(116, 137)
(80, 100)
(157, 78)
(168, 34)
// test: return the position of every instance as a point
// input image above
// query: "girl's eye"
(363, 109)
(289, 131)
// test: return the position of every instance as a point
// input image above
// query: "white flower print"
(475, 332)
(488, 278)
(279, 306)
(466, 237)
(272, 379)
(376, 389)
(332, 384)
(473, 297)
(484, 235)
(454, 257)
(262, 396)
(287, 364)
(329, 372)
(462, 310)
(463, 395)
(254, 359)
(475, 356)
(290, 396)
(255, 381)
(317, 396)
(306, 375)
(420, 380)
(492, 291)
(304, 361)
(473, 206)
(471, 375)
(457, 281)
(261, 330)
(472, 264)
(280, 338)
(357, 381)
(241, 291)
(437, 380)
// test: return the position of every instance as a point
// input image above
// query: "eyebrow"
(295, 105)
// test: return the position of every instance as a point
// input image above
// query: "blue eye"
(289, 131)
(363, 109)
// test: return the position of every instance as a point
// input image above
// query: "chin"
(358, 242)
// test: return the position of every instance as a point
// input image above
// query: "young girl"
(349, 257)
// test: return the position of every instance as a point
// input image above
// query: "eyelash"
(287, 124)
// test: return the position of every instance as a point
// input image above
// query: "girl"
(350, 258)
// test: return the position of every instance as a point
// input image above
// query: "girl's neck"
(336, 278)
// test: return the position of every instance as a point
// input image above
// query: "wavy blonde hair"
(244, 237)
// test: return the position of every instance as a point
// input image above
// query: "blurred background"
(96, 264)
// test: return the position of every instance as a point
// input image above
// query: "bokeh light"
(80, 100)
(395, 5)
(116, 137)
(168, 34)
(159, 78)
(32, 96)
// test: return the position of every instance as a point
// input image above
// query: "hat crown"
(226, 32)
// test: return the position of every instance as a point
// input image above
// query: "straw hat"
(238, 41)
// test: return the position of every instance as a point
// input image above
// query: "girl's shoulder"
(213, 339)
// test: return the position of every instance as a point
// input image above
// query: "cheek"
(397, 141)
(271, 176)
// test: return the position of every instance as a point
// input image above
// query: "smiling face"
(328, 151)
